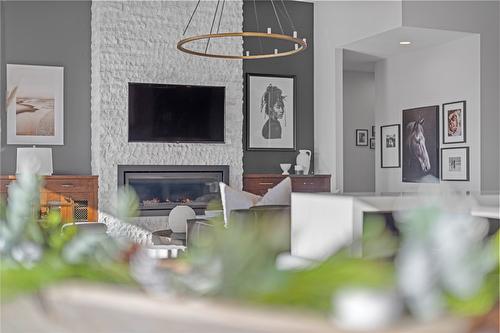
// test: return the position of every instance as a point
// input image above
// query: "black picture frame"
(445, 122)
(358, 142)
(428, 117)
(373, 131)
(467, 164)
(248, 146)
(372, 143)
(398, 143)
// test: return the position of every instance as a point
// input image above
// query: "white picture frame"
(270, 128)
(454, 122)
(455, 164)
(390, 146)
(35, 105)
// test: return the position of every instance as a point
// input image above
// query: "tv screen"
(175, 113)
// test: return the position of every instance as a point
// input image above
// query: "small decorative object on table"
(178, 217)
(285, 167)
(304, 159)
(299, 169)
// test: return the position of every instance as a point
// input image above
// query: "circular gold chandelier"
(298, 45)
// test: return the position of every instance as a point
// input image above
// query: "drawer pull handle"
(66, 185)
(305, 183)
(266, 183)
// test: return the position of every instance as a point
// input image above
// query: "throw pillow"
(281, 194)
(234, 199)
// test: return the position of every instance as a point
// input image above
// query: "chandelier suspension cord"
(212, 27)
(277, 17)
(288, 16)
(258, 26)
(220, 17)
(192, 15)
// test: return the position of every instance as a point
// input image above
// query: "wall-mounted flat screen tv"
(175, 113)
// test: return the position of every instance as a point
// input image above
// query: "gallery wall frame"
(454, 122)
(361, 137)
(455, 164)
(420, 145)
(390, 138)
(270, 124)
(35, 104)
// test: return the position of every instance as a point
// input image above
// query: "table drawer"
(66, 185)
(311, 184)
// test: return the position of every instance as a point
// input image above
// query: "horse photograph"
(421, 144)
(270, 112)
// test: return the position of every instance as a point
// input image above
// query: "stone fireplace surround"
(133, 42)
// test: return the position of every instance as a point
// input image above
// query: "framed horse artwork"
(421, 145)
(270, 115)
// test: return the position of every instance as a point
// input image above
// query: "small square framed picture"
(455, 164)
(390, 146)
(361, 137)
(454, 122)
(372, 143)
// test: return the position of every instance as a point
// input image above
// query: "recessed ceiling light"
(404, 43)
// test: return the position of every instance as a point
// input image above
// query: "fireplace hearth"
(160, 188)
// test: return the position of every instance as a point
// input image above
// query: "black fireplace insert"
(162, 187)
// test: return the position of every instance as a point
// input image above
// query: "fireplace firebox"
(162, 187)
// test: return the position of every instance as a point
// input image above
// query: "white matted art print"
(35, 105)
(455, 164)
(270, 114)
(390, 146)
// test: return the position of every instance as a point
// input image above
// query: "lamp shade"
(34, 160)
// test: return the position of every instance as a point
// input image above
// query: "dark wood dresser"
(75, 197)
(259, 183)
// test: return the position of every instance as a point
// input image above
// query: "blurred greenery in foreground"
(36, 254)
(440, 264)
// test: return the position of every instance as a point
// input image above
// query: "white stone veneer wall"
(135, 41)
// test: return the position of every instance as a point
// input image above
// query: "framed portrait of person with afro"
(270, 112)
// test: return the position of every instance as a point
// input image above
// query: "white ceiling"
(386, 44)
(361, 55)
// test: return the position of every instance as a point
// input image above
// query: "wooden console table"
(75, 197)
(259, 183)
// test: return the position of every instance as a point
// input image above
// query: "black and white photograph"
(372, 143)
(454, 122)
(390, 150)
(421, 145)
(361, 137)
(270, 112)
(455, 164)
(35, 105)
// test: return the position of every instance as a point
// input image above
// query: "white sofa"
(322, 223)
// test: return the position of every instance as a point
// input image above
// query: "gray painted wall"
(359, 107)
(479, 17)
(55, 34)
(301, 65)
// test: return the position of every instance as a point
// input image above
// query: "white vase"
(304, 159)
